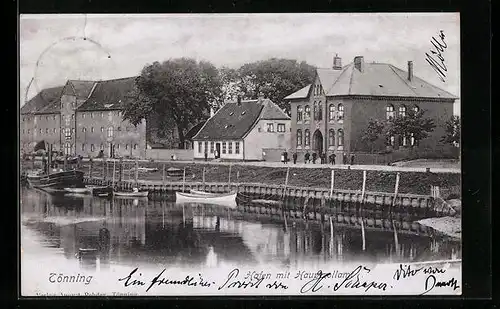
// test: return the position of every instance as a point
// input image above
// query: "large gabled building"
(241, 130)
(83, 118)
(331, 114)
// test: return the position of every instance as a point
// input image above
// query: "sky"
(55, 48)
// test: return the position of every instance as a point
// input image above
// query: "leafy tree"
(274, 78)
(452, 131)
(413, 124)
(181, 90)
(373, 132)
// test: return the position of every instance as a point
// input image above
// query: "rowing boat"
(225, 199)
(77, 190)
(132, 194)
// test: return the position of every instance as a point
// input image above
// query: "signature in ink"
(432, 282)
(435, 57)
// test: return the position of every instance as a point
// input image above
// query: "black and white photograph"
(312, 154)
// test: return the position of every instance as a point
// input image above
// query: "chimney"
(239, 100)
(410, 71)
(337, 62)
(359, 63)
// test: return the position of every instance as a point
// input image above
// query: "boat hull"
(227, 200)
(57, 181)
(131, 194)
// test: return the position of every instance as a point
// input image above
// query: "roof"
(234, 121)
(110, 94)
(377, 79)
(46, 101)
(82, 88)
(192, 132)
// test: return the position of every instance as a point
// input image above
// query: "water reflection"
(99, 232)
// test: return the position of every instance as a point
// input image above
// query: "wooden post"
(114, 169)
(363, 233)
(396, 241)
(332, 182)
(229, 177)
(163, 175)
(136, 171)
(49, 160)
(184, 180)
(396, 187)
(120, 172)
(91, 166)
(286, 182)
(103, 168)
(203, 175)
(331, 227)
(364, 187)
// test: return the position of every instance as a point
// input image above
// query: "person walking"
(352, 159)
(306, 157)
(315, 157)
(294, 156)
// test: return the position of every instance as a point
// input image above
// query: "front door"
(318, 142)
(217, 149)
(110, 150)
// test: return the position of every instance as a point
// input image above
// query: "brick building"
(241, 130)
(83, 118)
(331, 114)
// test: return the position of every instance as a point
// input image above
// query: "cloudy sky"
(53, 49)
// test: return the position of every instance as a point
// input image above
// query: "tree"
(181, 90)
(275, 79)
(373, 132)
(452, 131)
(412, 125)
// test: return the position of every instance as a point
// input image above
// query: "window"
(54, 130)
(307, 138)
(54, 117)
(315, 111)
(72, 130)
(83, 115)
(84, 129)
(135, 146)
(120, 114)
(206, 147)
(47, 131)
(416, 109)
(28, 131)
(230, 147)
(270, 127)
(83, 147)
(118, 146)
(211, 147)
(331, 137)
(23, 131)
(119, 128)
(341, 112)
(46, 118)
(402, 111)
(102, 114)
(40, 130)
(199, 147)
(391, 140)
(237, 148)
(102, 129)
(299, 113)
(101, 147)
(91, 129)
(389, 111)
(73, 116)
(67, 133)
(307, 115)
(320, 111)
(110, 131)
(224, 147)
(92, 147)
(91, 115)
(281, 127)
(299, 138)
(340, 134)
(126, 146)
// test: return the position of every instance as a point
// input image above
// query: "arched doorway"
(318, 142)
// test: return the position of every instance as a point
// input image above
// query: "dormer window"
(270, 127)
(231, 113)
(243, 112)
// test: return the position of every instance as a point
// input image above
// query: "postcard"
(240, 154)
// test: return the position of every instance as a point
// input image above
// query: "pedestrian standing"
(352, 159)
(333, 158)
(285, 157)
(206, 156)
(344, 158)
(294, 156)
(306, 157)
(315, 156)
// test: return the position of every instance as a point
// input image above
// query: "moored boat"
(56, 181)
(134, 193)
(77, 190)
(102, 191)
(224, 199)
